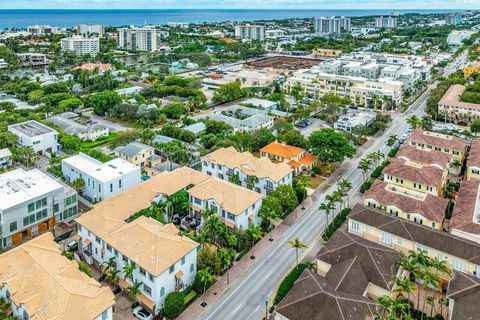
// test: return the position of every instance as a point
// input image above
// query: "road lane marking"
(268, 274)
(256, 309)
(236, 309)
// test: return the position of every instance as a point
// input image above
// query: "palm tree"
(205, 277)
(365, 165)
(256, 234)
(214, 228)
(297, 244)
(134, 290)
(429, 279)
(404, 286)
(394, 308)
(345, 184)
(146, 135)
(78, 184)
(303, 182)
(112, 277)
(414, 121)
(128, 270)
(251, 182)
(25, 155)
(391, 140)
(110, 264)
(327, 207)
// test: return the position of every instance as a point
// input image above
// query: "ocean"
(69, 18)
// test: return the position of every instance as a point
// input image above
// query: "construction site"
(284, 62)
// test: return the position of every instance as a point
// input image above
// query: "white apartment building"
(386, 22)
(355, 119)
(456, 37)
(5, 158)
(102, 180)
(242, 118)
(183, 25)
(31, 203)
(38, 282)
(138, 39)
(33, 134)
(81, 45)
(332, 25)
(33, 59)
(68, 121)
(87, 30)
(38, 30)
(250, 32)
(258, 174)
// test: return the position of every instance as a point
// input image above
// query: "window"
(172, 268)
(399, 240)
(125, 259)
(183, 261)
(458, 265)
(13, 226)
(192, 268)
(105, 315)
(387, 238)
(150, 277)
(142, 272)
(147, 289)
(120, 183)
(56, 207)
(31, 207)
(162, 292)
(97, 239)
(355, 226)
(231, 216)
(111, 187)
(109, 248)
(455, 152)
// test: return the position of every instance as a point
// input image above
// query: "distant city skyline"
(240, 4)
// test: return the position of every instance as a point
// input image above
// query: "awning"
(87, 242)
(146, 302)
(179, 275)
(250, 216)
(124, 284)
(78, 237)
(227, 223)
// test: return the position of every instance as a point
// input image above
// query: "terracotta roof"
(294, 164)
(424, 156)
(464, 289)
(229, 196)
(452, 98)
(282, 150)
(436, 139)
(474, 154)
(438, 240)
(92, 66)
(463, 216)
(50, 285)
(250, 165)
(431, 207)
(110, 214)
(423, 174)
(307, 159)
(151, 244)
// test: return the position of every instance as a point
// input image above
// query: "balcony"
(87, 255)
(179, 287)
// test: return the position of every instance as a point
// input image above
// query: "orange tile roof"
(474, 155)
(92, 66)
(282, 150)
(294, 164)
(308, 159)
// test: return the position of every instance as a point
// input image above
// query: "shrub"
(83, 266)
(336, 223)
(199, 285)
(69, 255)
(288, 282)
(393, 152)
(366, 185)
(313, 174)
(316, 170)
(174, 304)
(189, 297)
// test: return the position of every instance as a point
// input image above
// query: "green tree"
(134, 290)
(173, 305)
(69, 104)
(297, 245)
(364, 165)
(330, 146)
(128, 270)
(228, 92)
(7, 139)
(235, 179)
(271, 208)
(392, 139)
(70, 144)
(475, 127)
(102, 102)
(288, 198)
(25, 155)
(78, 184)
(414, 121)
(83, 266)
(207, 258)
(327, 207)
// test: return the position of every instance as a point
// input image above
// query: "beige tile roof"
(463, 213)
(424, 156)
(250, 165)
(165, 246)
(474, 154)
(423, 174)
(50, 285)
(231, 197)
(452, 98)
(110, 214)
(436, 139)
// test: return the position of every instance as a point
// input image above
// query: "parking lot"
(317, 124)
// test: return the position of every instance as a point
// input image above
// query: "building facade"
(137, 153)
(81, 45)
(332, 25)
(87, 30)
(38, 30)
(39, 137)
(297, 158)
(138, 39)
(250, 32)
(5, 158)
(386, 22)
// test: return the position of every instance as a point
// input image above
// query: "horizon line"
(216, 8)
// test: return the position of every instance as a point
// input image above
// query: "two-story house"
(138, 153)
(257, 174)
(448, 144)
(465, 220)
(425, 157)
(5, 158)
(39, 137)
(473, 162)
(297, 158)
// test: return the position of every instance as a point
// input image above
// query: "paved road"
(246, 299)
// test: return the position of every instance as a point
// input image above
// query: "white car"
(142, 314)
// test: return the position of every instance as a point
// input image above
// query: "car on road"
(142, 314)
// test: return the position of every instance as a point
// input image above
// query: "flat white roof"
(19, 186)
(101, 171)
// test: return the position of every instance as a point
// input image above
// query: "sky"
(240, 4)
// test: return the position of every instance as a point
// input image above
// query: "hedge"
(378, 170)
(173, 305)
(288, 282)
(336, 223)
(393, 152)
(366, 185)
(189, 297)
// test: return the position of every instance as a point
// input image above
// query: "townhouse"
(404, 236)
(425, 157)
(419, 207)
(451, 145)
(38, 282)
(465, 221)
(39, 137)
(31, 203)
(138, 153)
(5, 158)
(165, 260)
(237, 207)
(102, 180)
(297, 158)
(473, 162)
(258, 174)
(69, 122)
(452, 108)
(414, 176)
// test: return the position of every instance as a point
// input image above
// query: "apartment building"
(419, 207)
(403, 235)
(355, 119)
(33, 59)
(237, 207)
(39, 137)
(473, 162)
(465, 221)
(38, 282)
(332, 25)
(102, 180)
(452, 108)
(137, 153)
(456, 37)
(424, 157)
(386, 22)
(165, 260)
(139, 39)
(5, 158)
(250, 32)
(297, 158)
(242, 118)
(453, 19)
(414, 176)
(70, 123)
(258, 174)
(81, 45)
(31, 203)
(87, 30)
(448, 144)
(39, 30)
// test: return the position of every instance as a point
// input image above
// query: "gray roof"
(167, 166)
(67, 122)
(32, 128)
(196, 128)
(132, 149)
(464, 289)
(162, 139)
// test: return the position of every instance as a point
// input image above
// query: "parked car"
(303, 124)
(142, 314)
(72, 245)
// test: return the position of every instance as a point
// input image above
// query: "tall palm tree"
(429, 279)
(112, 276)
(134, 290)
(108, 265)
(414, 121)
(364, 165)
(297, 244)
(255, 233)
(251, 182)
(128, 270)
(326, 207)
(394, 308)
(404, 286)
(391, 140)
(345, 184)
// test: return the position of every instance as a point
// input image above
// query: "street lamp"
(266, 309)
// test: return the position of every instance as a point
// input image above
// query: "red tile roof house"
(298, 158)
(465, 221)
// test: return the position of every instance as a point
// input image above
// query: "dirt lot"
(284, 62)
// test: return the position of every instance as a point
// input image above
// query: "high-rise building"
(87, 30)
(42, 30)
(81, 45)
(332, 25)
(453, 19)
(386, 22)
(250, 32)
(138, 39)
